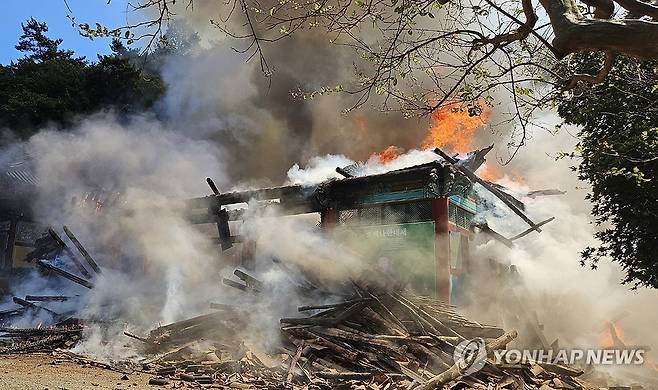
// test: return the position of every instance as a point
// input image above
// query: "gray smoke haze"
(262, 128)
(155, 261)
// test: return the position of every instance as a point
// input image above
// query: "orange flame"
(612, 336)
(454, 128)
(490, 173)
(389, 154)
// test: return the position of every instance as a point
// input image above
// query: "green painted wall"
(406, 250)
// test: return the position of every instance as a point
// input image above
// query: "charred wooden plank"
(484, 227)
(47, 298)
(293, 362)
(11, 312)
(67, 275)
(69, 253)
(343, 172)
(455, 371)
(234, 284)
(314, 339)
(223, 229)
(327, 321)
(39, 331)
(498, 193)
(249, 280)
(287, 194)
(90, 260)
(158, 381)
(532, 229)
(333, 305)
(350, 375)
(134, 336)
(30, 305)
(212, 186)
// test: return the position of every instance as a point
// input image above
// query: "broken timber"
(498, 193)
(46, 298)
(67, 275)
(30, 305)
(69, 252)
(455, 371)
(532, 229)
(82, 250)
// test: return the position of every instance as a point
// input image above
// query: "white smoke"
(157, 268)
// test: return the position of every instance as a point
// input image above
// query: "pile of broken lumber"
(384, 339)
(23, 340)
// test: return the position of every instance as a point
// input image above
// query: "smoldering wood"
(47, 298)
(223, 229)
(65, 274)
(454, 372)
(236, 239)
(234, 284)
(30, 305)
(45, 247)
(249, 280)
(134, 336)
(504, 192)
(484, 227)
(333, 305)
(343, 172)
(90, 260)
(532, 229)
(327, 321)
(212, 186)
(4, 314)
(294, 194)
(499, 194)
(69, 253)
(28, 332)
(41, 343)
(293, 362)
(366, 344)
(546, 192)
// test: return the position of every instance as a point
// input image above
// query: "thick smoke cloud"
(216, 93)
(112, 183)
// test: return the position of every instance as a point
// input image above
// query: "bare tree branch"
(639, 8)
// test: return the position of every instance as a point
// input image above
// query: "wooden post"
(441, 247)
(11, 242)
(329, 218)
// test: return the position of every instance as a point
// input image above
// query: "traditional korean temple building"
(420, 218)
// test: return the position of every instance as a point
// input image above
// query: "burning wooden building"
(420, 218)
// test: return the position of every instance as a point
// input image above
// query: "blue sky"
(54, 12)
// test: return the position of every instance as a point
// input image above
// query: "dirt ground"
(48, 372)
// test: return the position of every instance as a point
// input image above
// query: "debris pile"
(357, 334)
(46, 339)
(383, 339)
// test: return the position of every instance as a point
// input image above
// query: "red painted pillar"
(441, 247)
(328, 218)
